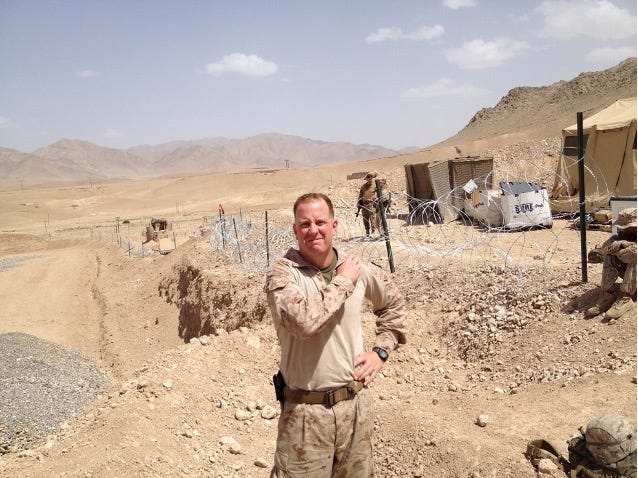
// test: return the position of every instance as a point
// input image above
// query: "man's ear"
(294, 229)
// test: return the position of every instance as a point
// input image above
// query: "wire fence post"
(384, 222)
(223, 224)
(267, 243)
(238, 245)
(581, 196)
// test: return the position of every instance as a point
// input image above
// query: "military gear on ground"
(620, 307)
(540, 449)
(604, 302)
(610, 438)
(606, 449)
(582, 464)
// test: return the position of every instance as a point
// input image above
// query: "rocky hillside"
(543, 111)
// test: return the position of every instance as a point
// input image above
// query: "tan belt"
(328, 398)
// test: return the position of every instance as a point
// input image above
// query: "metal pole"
(267, 245)
(384, 222)
(223, 231)
(581, 196)
(238, 246)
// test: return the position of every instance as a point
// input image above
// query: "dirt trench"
(212, 299)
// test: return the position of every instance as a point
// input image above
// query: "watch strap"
(381, 352)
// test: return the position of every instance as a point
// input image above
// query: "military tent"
(610, 159)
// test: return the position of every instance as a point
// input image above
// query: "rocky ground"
(507, 345)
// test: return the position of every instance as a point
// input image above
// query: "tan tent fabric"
(617, 115)
(610, 160)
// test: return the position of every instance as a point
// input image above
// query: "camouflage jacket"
(617, 245)
(319, 324)
(368, 192)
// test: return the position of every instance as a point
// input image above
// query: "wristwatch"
(382, 353)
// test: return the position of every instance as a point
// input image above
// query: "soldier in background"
(366, 203)
(619, 260)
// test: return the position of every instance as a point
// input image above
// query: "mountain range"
(543, 108)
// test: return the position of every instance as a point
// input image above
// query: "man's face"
(314, 229)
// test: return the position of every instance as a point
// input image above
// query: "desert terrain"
(181, 350)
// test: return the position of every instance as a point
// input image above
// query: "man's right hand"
(350, 268)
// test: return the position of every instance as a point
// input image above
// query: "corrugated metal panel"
(440, 177)
(479, 169)
(418, 181)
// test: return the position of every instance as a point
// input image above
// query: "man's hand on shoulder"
(350, 268)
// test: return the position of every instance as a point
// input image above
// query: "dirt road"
(48, 292)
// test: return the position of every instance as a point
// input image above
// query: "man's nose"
(313, 227)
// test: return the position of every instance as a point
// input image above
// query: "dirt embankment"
(211, 296)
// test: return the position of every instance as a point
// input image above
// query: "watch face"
(383, 355)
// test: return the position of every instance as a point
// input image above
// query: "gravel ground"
(42, 385)
(14, 261)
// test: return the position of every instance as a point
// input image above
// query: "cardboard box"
(485, 207)
(603, 216)
(526, 210)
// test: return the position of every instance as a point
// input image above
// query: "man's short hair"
(308, 197)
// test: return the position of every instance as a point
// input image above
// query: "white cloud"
(443, 87)
(7, 123)
(112, 133)
(87, 73)
(456, 4)
(599, 19)
(394, 33)
(609, 56)
(518, 18)
(478, 53)
(249, 65)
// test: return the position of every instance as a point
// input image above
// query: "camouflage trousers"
(614, 268)
(369, 217)
(318, 442)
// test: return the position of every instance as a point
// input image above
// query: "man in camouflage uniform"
(619, 260)
(315, 295)
(366, 201)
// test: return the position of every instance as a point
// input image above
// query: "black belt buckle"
(332, 397)
(329, 399)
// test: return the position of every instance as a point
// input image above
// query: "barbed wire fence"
(418, 240)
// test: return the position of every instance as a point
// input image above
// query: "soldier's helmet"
(610, 438)
(370, 175)
(626, 218)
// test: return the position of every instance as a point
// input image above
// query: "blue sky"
(392, 73)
